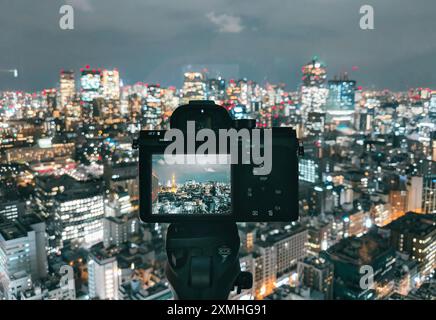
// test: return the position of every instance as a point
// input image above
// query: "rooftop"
(13, 230)
(419, 224)
(362, 250)
(276, 235)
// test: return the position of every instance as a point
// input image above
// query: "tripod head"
(203, 260)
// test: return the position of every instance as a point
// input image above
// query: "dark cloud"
(153, 40)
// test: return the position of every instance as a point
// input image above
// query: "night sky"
(156, 40)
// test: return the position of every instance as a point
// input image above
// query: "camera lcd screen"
(191, 185)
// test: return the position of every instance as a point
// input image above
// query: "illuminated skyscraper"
(90, 89)
(22, 254)
(103, 276)
(151, 108)
(341, 100)
(415, 235)
(110, 84)
(52, 107)
(75, 209)
(194, 87)
(313, 91)
(67, 88)
(216, 90)
(314, 73)
(173, 184)
(309, 170)
(315, 124)
(244, 91)
(233, 91)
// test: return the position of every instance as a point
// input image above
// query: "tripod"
(203, 261)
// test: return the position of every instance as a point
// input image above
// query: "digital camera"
(208, 167)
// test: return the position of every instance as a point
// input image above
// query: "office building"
(75, 209)
(415, 234)
(349, 255)
(67, 89)
(341, 101)
(23, 256)
(313, 90)
(110, 84)
(316, 274)
(103, 275)
(194, 87)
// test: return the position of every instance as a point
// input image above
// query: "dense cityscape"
(69, 188)
(193, 197)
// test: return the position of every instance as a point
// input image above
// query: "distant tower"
(90, 89)
(194, 87)
(67, 88)
(173, 184)
(313, 90)
(341, 100)
(110, 84)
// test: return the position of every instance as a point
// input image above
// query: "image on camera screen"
(191, 186)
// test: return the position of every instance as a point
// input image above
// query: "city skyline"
(69, 188)
(251, 45)
(347, 212)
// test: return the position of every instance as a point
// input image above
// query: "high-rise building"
(355, 257)
(308, 170)
(122, 175)
(22, 254)
(11, 205)
(415, 234)
(110, 84)
(118, 230)
(357, 223)
(75, 209)
(316, 274)
(194, 87)
(429, 193)
(151, 109)
(318, 237)
(398, 202)
(341, 101)
(289, 244)
(90, 89)
(414, 193)
(103, 275)
(216, 90)
(380, 213)
(313, 91)
(265, 270)
(315, 124)
(67, 89)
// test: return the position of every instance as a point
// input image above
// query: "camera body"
(225, 181)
